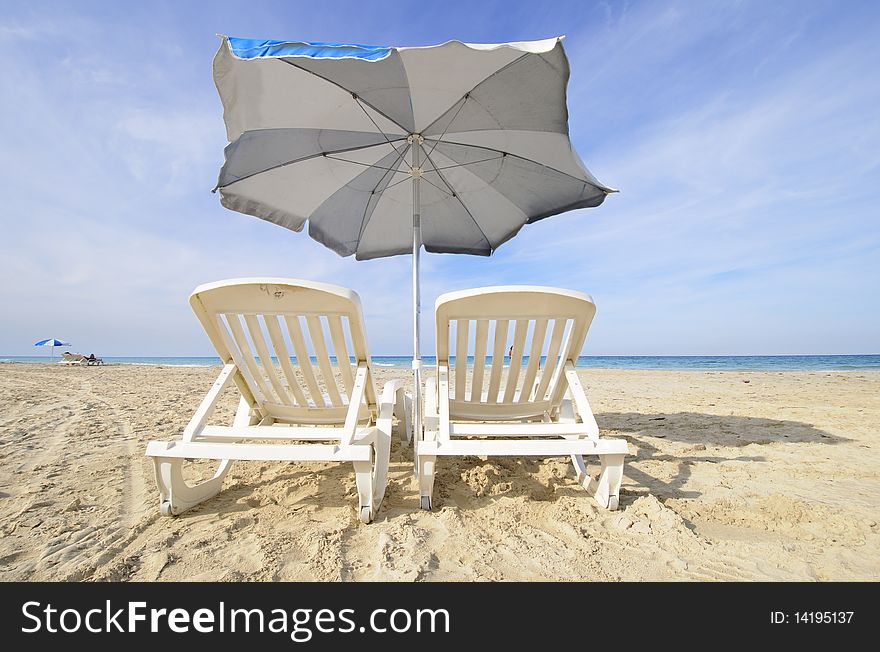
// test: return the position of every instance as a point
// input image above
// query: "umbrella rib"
(300, 160)
(397, 183)
(379, 129)
(461, 165)
(473, 88)
(458, 197)
(353, 94)
(463, 102)
(443, 190)
(523, 158)
(366, 220)
(368, 165)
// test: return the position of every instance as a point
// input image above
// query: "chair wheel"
(426, 503)
(165, 508)
(613, 502)
(366, 515)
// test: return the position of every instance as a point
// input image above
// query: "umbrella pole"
(417, 245)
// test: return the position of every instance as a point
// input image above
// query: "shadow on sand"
(699, 430)
(512, 477)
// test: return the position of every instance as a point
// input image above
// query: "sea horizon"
(801, 362)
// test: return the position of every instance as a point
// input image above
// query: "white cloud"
(169, 149)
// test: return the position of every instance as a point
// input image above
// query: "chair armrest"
(206, 409)
(580, 401)
(395, 401)
(432, 416)
(354, 404)
(443, 402)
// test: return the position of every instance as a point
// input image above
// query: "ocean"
(681, 363)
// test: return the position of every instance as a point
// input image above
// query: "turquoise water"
(703, 363)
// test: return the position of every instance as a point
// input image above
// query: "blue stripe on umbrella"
(248, 48)
(52, 342)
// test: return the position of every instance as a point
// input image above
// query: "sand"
(732, 476)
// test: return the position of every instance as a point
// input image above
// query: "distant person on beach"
(510, 355)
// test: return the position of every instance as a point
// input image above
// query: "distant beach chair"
(92, 360)
(68, 358)
(251, 320)
(547, 414)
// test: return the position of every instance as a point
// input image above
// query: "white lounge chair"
(536, 412)
(251, 320)
(68, 358)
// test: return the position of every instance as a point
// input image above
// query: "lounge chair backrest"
(252, 321)
(484, 322)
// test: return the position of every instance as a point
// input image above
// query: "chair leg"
(175, 495)
(363, 472)
(580, 470)
(395, 401)
(403, 412)
(380, 469)
(426, 480)
(606, 490)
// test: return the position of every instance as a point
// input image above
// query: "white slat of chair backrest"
(283, 355)
(519, 341)
(557, 388)
(461, 354)
(498, 351)
(552, 358)
(273, 310)
(222, 329)
(538, 336)
(532, 309)
(480, 343)
(234, 323)
(316, 332)
(340, 351)
(256, 333)
(303, 360)
(512, 385)
(290, 393)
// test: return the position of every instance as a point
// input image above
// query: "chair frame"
(69, 359)
(270, 411)
(548, 415)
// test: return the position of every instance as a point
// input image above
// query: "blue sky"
(743, 136)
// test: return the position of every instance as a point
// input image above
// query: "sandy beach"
(731, 476)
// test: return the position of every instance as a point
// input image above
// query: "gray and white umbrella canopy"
(323, 133)
(331, 134)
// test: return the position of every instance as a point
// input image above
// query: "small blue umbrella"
(53, 343)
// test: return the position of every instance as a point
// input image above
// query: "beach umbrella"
(385, 150)
(53, 343)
